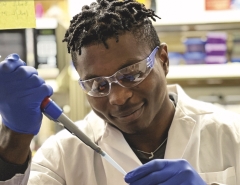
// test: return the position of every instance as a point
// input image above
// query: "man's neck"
(149, 139)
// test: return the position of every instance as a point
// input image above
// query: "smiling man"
(154, 131)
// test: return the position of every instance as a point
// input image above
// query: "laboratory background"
(203, 38)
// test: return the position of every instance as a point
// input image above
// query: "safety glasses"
(127, 77)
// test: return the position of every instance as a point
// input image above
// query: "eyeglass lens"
(127, 77)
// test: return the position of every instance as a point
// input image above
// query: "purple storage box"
(215, 59)
(216, 49)
(195, 45)
(216, 37)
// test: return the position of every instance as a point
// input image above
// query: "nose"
(119, 95)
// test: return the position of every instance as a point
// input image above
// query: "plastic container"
(195, 45)
(235, 59)
(216, 37)
(235, 56)
(235, 4)
(194, 57)
(214, 59)
(216, 49)
(175, 58)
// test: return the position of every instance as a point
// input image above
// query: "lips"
(130, 115)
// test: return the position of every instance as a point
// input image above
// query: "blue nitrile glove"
(21, 94)
(164, 172)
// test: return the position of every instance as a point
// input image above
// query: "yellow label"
(17, 14)
(142, 1)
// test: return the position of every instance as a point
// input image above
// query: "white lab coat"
(206, 136)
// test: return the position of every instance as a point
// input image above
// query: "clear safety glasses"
(128, 77)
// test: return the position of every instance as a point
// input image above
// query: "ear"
(163, 54)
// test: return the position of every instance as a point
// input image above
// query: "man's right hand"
(21, 94)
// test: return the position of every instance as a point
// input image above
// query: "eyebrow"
(128, 63)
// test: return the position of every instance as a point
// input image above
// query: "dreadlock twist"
(106, 19)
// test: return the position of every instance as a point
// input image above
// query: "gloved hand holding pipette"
(21, 94)
(164, 172)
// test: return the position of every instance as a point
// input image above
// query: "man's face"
(132, 110)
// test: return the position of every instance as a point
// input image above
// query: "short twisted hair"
(106, 19)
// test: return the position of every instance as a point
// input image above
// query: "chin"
(133, 129)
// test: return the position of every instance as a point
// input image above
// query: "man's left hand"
(164, 172)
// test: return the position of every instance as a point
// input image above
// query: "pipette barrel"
(55, 113)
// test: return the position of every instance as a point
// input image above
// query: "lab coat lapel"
(185, 120)
(179, 135)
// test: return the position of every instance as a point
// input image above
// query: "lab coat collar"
(185, 103)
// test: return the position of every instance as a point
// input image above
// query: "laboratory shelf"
(205, 75)
(204, 71)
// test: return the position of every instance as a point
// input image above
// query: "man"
(155, 132)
